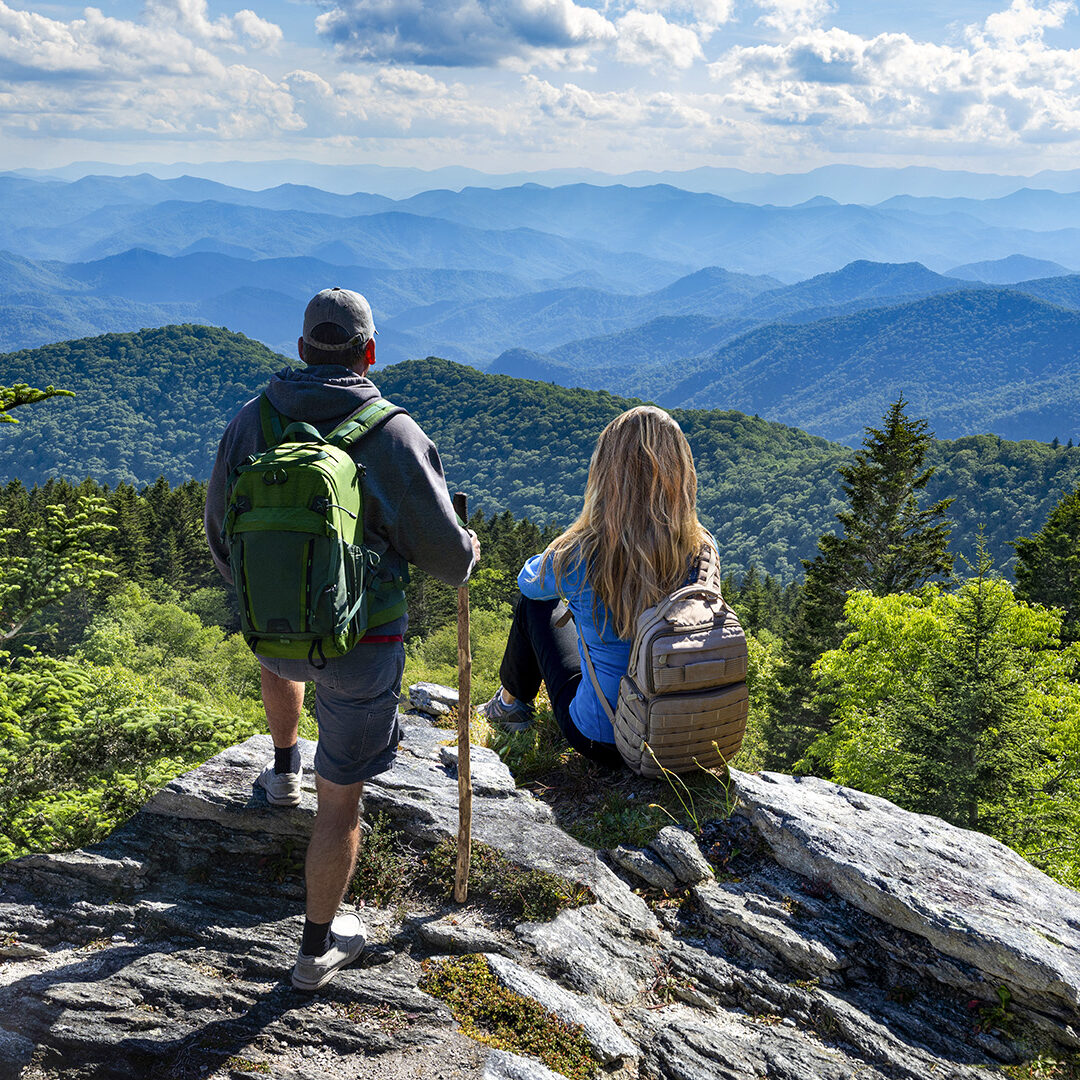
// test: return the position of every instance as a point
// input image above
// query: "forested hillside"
(956, 697)
(155, 403)
(147, 405)
(1008, 362)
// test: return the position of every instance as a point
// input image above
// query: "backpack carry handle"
(685, 594)
(278, 428)
(301, 432)
(695, 588)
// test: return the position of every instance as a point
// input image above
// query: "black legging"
(538, 650)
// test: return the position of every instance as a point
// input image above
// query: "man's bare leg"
(331, 855)
(283, 701)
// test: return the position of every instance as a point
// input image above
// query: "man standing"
(408, 518)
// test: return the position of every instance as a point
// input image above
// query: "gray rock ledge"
(165, 950)
(970, 896)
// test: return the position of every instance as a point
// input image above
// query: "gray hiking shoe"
(516, 717)
(347, 940)
(282, 789)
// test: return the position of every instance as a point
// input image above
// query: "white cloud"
(647, 38)
(789, 16)
(191, 18)
(704, 15)
(259, 33)
(391, 101)
(1023, 22)
(460, 33)
(175, 75)
(1003, 85)
(101, 76)
(573, 105)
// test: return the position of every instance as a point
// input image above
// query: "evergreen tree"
(888, 544)
(130, 543)
(967, 745)
(64, 554)
(1048, 564)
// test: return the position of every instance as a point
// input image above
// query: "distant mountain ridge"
(392, 240)
(477, 329)
(42, 302)
(656, 344)
(1011, 270)
(660, 224)
(845, 183)
(641, 290)
(156, 403)
(988, 360)
(823, 354)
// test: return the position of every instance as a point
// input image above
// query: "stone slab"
(502, 1065)
(679, 850)
(967, 894)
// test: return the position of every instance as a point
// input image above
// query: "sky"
(505, 85)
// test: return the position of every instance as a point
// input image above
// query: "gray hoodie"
(407, 511)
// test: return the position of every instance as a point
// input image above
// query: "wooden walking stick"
(464, 687)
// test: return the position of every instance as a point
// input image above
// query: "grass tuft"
(380, 866)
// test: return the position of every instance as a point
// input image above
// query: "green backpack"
(294, 525)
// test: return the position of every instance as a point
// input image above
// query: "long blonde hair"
(639, 527)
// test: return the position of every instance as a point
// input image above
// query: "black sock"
(287, 759)
(316, 938)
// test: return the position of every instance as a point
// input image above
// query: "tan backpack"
(683, 701)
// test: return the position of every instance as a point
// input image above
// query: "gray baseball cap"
(343, 308)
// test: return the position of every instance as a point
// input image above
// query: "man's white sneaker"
(347, 940)
(282, 789)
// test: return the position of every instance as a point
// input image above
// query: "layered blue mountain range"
(814, 314)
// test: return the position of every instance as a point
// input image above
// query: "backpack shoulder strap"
(273, 423)
(358, 425)
(596, 682)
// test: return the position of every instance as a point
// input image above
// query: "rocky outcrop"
(973, 899)
(844, 938)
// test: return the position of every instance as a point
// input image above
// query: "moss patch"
(496, 1016)
(520, 894)
(1048, 1066)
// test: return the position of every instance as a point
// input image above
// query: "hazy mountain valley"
(778, 318)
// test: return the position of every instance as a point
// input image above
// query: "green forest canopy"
(154, 403)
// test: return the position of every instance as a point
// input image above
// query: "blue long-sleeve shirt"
(610, 654)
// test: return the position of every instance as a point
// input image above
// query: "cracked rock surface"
(847, 939)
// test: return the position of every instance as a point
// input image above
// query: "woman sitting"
(634, 543)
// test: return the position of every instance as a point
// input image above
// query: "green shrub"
(159, 639)
(380, 873)
(434, 658)
(84, 745)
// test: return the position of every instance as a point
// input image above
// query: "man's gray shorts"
(356, 698)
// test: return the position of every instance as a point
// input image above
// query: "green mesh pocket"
(271, 573)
